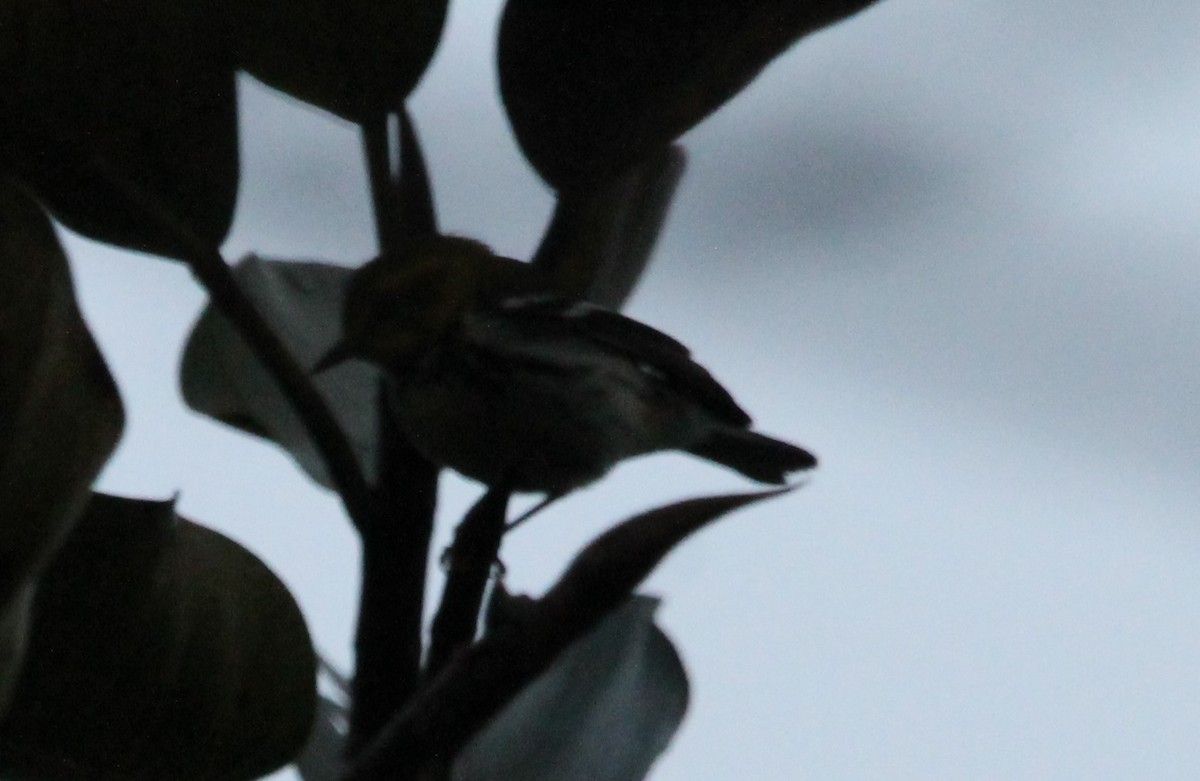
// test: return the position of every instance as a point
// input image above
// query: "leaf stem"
(210, 268)
(384, 192)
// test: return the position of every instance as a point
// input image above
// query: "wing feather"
(652, 350)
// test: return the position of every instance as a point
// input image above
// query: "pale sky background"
(953, 248)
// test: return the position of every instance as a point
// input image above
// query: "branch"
(395, 546)
(471, 558)
(212, 271)
(395, 554)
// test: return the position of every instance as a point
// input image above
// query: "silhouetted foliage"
(135, 644)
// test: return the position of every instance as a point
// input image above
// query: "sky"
(950, 247)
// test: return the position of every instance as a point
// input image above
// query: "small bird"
(510, 385)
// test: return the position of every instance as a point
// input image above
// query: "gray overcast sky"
(950, 246)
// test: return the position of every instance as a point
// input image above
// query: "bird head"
(397, 308)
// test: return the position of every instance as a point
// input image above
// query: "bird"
(493, 374)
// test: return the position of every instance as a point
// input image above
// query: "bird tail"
(756, 456)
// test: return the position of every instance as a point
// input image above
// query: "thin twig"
(471, 558)
(384, 194)
(210, 268)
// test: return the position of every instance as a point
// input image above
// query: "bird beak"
(337, 355)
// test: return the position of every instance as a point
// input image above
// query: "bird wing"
(651, 350)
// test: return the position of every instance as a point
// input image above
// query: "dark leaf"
(352, 57)
(593, 86)
(60, 415)
(601, 237)
(321, 759)
(221, 378)
(612, 565)
(605, 710)
(101, 98)
(482, 680)
(159, 649)
(15, 617)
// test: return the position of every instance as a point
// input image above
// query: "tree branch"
(395, 546)
(395, 554)
(210, 268)
(471, 558)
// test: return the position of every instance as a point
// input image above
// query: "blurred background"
(951, 247)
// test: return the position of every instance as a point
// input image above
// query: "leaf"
(159, 649)
(612, 565)
(60, 415)
(102, 98)
(14, 637)
(352, 57)
(478, 683)
(605, 710)
(221, 378)
(593, 86)
(600, 240)
(321, 759)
